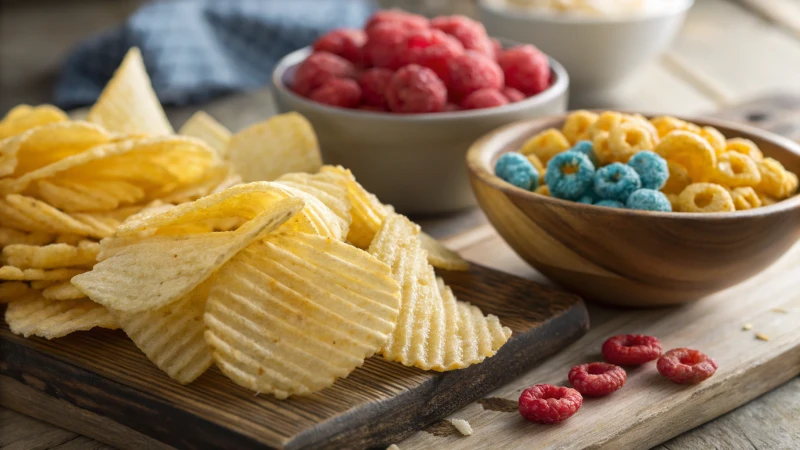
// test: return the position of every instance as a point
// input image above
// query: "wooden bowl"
(627, 257)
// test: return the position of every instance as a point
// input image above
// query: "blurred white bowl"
(599, 52)
(414, 162)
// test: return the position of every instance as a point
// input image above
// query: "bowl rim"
(558, 88)
(476, 164)
(518, 13)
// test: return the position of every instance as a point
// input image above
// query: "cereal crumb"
(462, 426)
(779, 310)
(393, 447)
(762, 337)
(747, 326)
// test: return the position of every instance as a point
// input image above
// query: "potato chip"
(328, 188)
(24, 117)
(217, 180)
(47, 144)
(37, 316)
(204, 127)
(88, 195)
(281, 144)
(158, 165)
(40, 216)
(41, 285)
(51, 256)
(69, 239)
(62, 291)
(128, 103)
(434, 331)
(172, 336)
(13, 290)
(245, 201)
(367, 211)
(159, 270)
(442, 257)
(292, 313)
(12, 273)
(9, 236)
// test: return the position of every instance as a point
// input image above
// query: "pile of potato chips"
(286, 283)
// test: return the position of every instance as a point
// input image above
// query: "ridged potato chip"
(245, 201)
(13, 290)
(204, 127)
(10, 236)
(42, 146)
(442, 257)
(37, 316)
(434, 331)
(329, 188)
(219, 178)
(281, 144)
(88, 195)
(366, 210)
(41, 285)
(128, 103)
(35, 215)
(292, 313)
(175, 265)
(24, 117)
(63, 290)
(172, 336)
(12, 273)
(52, 256)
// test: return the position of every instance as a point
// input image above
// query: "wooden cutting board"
(99, 384)
(649, 409)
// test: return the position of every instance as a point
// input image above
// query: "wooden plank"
(102, 374)
(744, 54)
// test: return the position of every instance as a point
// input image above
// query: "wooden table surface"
(729, 51)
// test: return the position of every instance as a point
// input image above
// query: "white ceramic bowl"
(599, 53)
(414, 162)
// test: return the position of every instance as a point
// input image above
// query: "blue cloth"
(197, 49)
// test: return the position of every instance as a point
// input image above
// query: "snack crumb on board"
(462, 426)
(762, 337)
(747, 327)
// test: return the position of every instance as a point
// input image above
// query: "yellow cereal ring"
(745, 146)
(576, 127)
(705, 198)
(790, 185)
(766, 200)
(537, 163)
(667, 124)
(543, 190)
(604, 123)
(673, 200)
(775, 180)
(642, 120)
(624, 141)
(678, 179)
(745, 198)
(691, 151)
(545, 145)
(736, 170)
(714, 138)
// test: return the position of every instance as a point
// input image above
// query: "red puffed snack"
(342, 92)
(513, 95)
(631, 349)
(471, 71)
(545, 403)
(472, 34)
(373, 84)
(497, 48)
(597, 379)
(449, 107)
(686, 366)
(407, 20)
(344, 42)
(431, 49)
(416, 89)
(382, 46)
(318, 68)
(525, 68)
(484, 98)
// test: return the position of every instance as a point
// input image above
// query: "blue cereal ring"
(649, 200)
(587, 149)
(616, 181)
(569, 175)
(586, 199)
(515, 168)
(610, 204)
(652, 169)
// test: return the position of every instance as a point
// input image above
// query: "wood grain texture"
(649, 409)
(634, 258)
(102, 374)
